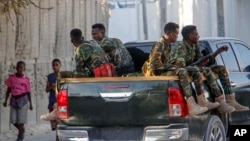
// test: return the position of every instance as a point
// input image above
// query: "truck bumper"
(149, 133)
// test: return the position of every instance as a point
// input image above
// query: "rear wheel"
(215, 130)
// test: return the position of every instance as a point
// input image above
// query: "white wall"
(123, 24)
(127, 23)
(202, 13)
(237, 19)
(153, 21)
(37, 38)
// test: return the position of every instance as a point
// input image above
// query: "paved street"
(33, 133)
(41, 137)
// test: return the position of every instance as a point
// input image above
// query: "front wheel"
(215, 130)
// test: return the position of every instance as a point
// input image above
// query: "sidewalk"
(30, 130)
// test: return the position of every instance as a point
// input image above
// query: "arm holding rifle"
(204, 60)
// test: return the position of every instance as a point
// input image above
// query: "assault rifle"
(210, 56)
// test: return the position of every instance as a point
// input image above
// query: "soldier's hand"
(223, 48)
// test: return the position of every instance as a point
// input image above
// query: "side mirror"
(247, 69)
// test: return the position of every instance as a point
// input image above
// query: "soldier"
(116, 52)
(88, 57)
(157, 64)
(188, 51)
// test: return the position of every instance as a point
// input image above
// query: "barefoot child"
(19, 87)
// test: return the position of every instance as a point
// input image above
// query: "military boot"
(50, 116)
(201, 100)
(193, 108)
(230, 99)
(224, 107)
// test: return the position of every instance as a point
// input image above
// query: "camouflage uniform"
(117, 55)
(87, 57)
(184, 55)
(158, 64)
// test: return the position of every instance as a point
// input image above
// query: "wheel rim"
(216, 134)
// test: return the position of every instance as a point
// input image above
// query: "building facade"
(212, 17)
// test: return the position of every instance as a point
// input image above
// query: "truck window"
(244, 52)
(229, 58)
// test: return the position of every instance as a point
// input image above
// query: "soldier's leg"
(225, 82)
(194, 72)
(219, 96)
(186, 87)
(211, 81)
(223, 77)
(199, 86)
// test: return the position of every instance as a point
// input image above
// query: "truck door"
(235, 60)
(242, 89)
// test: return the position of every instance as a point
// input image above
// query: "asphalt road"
(32, 133)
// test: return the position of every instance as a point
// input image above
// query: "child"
(19, 87)
(50, 87)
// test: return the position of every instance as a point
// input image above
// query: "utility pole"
(220, 18)
(163, 14)
(144, 19)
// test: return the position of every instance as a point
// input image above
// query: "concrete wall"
(237, 19)
(39, 36)
(229, 18)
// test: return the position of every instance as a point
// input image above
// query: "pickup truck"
(150, 108)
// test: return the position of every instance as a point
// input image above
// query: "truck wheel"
(215, 130)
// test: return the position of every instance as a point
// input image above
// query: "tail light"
(177, 103)
(62, 101)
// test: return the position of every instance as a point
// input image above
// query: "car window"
(244, 52)
(229, 58)
(203, 47)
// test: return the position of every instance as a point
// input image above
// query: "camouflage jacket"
(88, 56)
(116, 52)
(159, 55)
(184, 54)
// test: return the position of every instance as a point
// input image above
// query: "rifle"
(210, 56)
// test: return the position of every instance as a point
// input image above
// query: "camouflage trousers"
(183, 74)
(223, 77)
(211, 81)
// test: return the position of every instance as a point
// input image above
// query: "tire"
(215, 130)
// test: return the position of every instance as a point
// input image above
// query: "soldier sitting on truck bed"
(188, 51)
(89, 58)
(157, 64)
(116, 52)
